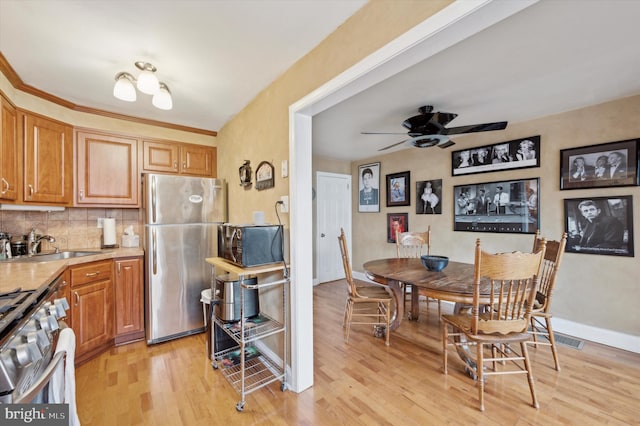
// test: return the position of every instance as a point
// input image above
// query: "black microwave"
(250, 245)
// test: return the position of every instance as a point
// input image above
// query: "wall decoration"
(245, 173)
(398, 189)
(264, 176)
(369, 187)
(602, 165)
(516, 154)
(600, 225)
(396, 222)
(429, 197)
(505, 206)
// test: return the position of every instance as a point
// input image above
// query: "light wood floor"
(359, 383)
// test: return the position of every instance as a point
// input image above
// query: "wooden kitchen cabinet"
(129, 298)
(178, 158)
(92, 307)
(48, 160)
(9, 149)
(106, 170)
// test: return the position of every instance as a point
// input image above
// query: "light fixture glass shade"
(163, 99)
(124, 89)
(148, 82)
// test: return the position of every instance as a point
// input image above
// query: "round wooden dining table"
(454, 283)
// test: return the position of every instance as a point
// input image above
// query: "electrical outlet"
(100, 222)
(284, 207)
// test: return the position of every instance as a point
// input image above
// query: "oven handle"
(31, 393)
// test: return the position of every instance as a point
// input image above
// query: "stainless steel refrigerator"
(181, 215)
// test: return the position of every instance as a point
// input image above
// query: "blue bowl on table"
(434, 263)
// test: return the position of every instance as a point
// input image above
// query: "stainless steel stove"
(29, 324)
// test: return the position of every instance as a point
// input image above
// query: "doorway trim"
(456, 22)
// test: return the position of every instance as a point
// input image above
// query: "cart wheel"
(214, 364)
(283, 387)
(240, 406)
(409, 316)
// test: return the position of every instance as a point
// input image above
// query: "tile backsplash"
(73, 228)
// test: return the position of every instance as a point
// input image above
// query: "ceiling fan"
(427, 129)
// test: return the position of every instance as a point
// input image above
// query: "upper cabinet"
(179, 158)
(48, 160)
(9, 149)
(106, 170)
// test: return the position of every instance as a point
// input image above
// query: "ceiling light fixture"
(147, 82)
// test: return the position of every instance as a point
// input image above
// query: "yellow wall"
(597, 290)
(260, 132)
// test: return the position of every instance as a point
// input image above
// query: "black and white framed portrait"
(369, 187)
(429, 197)
(509, 206)
(516, 154)
(599, 166)
(599, 225)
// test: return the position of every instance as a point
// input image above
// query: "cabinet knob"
(81, 194)
(30, 190)
(5, 185)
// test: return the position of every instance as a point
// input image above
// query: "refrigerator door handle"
(154, 253)
(153, 199)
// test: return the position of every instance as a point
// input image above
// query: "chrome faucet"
(33, 242)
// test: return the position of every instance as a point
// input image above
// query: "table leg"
(415, 306)
(462, 348)
(398, 294)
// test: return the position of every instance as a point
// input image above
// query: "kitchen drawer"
(88, 272)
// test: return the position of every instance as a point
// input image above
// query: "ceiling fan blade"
(446, 144)
(391, 146)
(472, 128)
(382, 133)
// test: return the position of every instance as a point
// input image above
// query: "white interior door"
(333, 211)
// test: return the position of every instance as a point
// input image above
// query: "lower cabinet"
(92, 310)
(129, 298)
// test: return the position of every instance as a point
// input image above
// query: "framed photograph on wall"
(509, 206)
(369, 187)
(600, 225)
(396, 222)
(429, 197)
(398, 189)
(516, 154)
(600, 166)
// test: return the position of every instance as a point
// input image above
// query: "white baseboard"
(612, 338)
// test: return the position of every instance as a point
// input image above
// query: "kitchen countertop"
(32, 275)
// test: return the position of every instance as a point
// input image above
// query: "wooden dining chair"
(542, 303)
(414, 245)
(367, 303)
(500, 322)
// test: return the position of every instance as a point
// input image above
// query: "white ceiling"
(217, 55)
(554, 56)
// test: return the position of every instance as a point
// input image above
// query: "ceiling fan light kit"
(147, 82)
(428, 129)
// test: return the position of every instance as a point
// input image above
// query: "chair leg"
(527, 365)
(480, 373)
(349, 313)
(439, 309)
(387, 331)
(534, 331)
(346, 309)
(552, 340)
(445, 338)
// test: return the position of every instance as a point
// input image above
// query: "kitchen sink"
(46, 257)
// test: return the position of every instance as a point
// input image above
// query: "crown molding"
(17, 83)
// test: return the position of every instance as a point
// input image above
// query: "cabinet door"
(129, 296)
(160, 156)
(48, 161)
(8, 152)
(107, 170)
(197, 160)
(92, 313)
